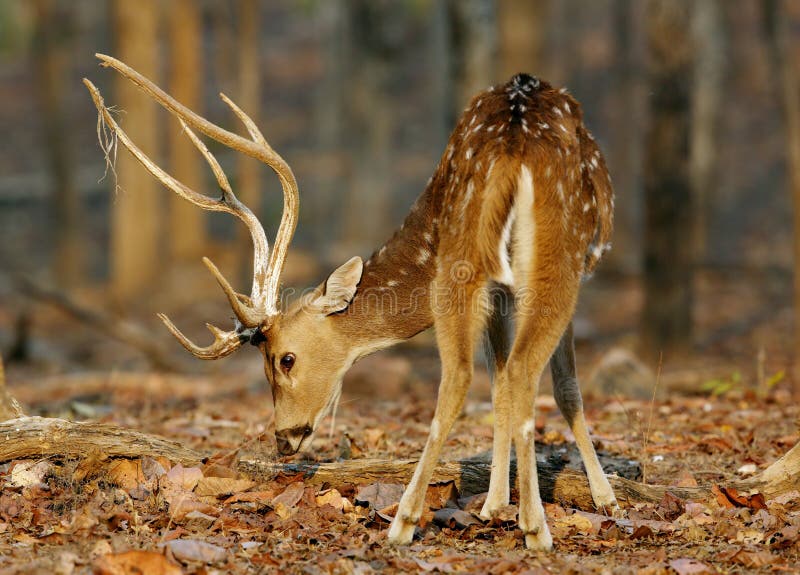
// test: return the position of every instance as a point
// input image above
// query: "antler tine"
(249, 315)
(225, 342)
(265, 287)
(291, 203)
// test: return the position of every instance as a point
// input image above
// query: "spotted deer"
(518, 211)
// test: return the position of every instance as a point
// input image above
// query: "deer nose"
(289, 440)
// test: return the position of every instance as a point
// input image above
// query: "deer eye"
(287, 362)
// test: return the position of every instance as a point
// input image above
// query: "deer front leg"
(568, 397)
(452, 390)
(455, 335)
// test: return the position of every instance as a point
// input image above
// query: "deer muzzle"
(290, 440)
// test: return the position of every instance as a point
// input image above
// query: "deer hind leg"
(540, 323)
(568, 397)
(496, 346)
(456, 331)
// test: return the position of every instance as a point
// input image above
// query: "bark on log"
(35, 437)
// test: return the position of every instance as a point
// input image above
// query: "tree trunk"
(248, 98)
(187, 232)
(522, 35)
(474, 45)
(709, 36)
(49, 51)
(377, 33)
(666, 318)
(625, 140)
(322, 196)
(785, 54)
(136, 209)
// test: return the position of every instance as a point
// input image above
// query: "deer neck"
(392, 303)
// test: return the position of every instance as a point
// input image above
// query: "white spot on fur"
(528, 429)
(423, 256)
(391, 283)
(468, 153)
(585, 207)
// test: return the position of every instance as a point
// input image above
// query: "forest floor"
(152, 515)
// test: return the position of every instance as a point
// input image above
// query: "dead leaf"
(373, 436)
(331, 497)
(221, 486)
(290, 496)
(135, 563)
(685, 478)
(196, 550)
(30, 473)
(437, 496)
(505, 514)
(214, 470)
(575, 523)
(752, 559)
(454, 518)
(181, 506)
(379, 495)
(184, 477)
(729, 497)
(127, 473)
(685, 566)
(474, 503)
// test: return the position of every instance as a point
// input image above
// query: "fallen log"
(36, 437)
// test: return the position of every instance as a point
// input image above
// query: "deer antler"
(259, 310)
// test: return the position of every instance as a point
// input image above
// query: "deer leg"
(456, 332)
(496, 346)
(536, 337)
(568, 397)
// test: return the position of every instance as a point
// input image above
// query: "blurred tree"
(187, 223)
(522, 34)
(666, 318)
(625, 140)
(329, 123)
(52, 32)
(708, 34)
(473, 33)
(248, 98)
(781, 19)
(377, 30)
(135, 229)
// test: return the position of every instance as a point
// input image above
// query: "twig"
(123, 331)
(646, 439)
(9, 406)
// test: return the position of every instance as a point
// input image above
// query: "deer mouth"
(291, 440)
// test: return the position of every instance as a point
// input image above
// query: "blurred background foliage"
(694, 103)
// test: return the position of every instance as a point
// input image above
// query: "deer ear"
(340, 287)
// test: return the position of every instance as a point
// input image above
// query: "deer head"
(304, 361)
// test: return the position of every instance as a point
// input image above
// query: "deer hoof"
(401, 532)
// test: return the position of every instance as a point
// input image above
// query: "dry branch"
(123, 331)
(36, 437)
